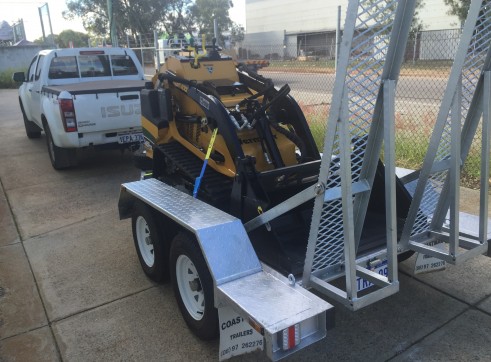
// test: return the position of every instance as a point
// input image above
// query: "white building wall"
(17, 57)
(315, 15)
(439, 45)
(292, 15)
(434, 16)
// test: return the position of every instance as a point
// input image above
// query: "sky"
(13, 10)
(237, 13)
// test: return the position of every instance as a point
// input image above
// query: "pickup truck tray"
(92, 87)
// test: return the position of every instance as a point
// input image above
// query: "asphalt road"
(409, 88)
(71, 288)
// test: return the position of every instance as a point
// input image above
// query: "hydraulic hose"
(297, 141)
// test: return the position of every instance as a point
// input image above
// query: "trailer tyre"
(149, 243)
(193, 287)
(60, 158)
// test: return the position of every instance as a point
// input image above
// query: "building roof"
(24, 42)
(6, 31)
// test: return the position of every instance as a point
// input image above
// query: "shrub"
(6, 81)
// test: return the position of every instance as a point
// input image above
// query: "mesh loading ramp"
(433, 217)
(360, 120)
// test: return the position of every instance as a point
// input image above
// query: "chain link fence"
(310, 72)
(144, 45)
(308, 65)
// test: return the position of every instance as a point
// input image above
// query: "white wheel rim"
(145, 243)
(189, 284)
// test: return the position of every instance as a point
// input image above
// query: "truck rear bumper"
(80, 140)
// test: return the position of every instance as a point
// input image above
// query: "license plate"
(381, 269)
(130, 137)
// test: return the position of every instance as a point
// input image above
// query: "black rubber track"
(215, 187)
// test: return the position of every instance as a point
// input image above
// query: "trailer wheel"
(193, 287)
(149, 243)
(60, 158)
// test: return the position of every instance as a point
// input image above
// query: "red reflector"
(291, 336)
(91, 52)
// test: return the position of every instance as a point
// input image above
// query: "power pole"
(40, 9)
(42, 24)
(112, 24)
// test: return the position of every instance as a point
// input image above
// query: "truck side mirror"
(19, 77)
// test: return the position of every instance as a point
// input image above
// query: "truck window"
(39, 66)
(123, 65)
(94, 66)
(63, 67)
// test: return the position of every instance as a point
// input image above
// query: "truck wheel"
(32, 130)
(60, 157)
(149, 243)
(193, 287)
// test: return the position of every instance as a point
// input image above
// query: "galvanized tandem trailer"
(259, 308)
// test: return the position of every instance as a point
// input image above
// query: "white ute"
(82, 97)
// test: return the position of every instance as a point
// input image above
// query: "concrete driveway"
(71, 287)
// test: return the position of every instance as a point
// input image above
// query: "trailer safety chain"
(197, 183)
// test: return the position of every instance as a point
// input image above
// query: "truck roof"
(85, 51)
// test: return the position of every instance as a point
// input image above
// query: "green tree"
(48, 41)
(236, 33)
(142, 17)
(131, 16)
(204, 12)
(178, 18)
(459, 8)
(77, 38)
(417, 24)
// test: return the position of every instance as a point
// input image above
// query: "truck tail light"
(67, 111)
(291, 337)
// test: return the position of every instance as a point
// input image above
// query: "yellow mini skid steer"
(263, 153)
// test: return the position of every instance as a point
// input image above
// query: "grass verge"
(6, 81)
(412, 141)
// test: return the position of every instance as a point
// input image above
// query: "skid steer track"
(215, 187)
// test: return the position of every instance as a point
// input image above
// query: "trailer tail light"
(291, 337)
(67, 111)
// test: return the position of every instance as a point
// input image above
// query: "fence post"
(127, 41)
(141, 50)
(157, 53)
(215, 29)
(284, 44)
(338, 38)
(415, 40)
